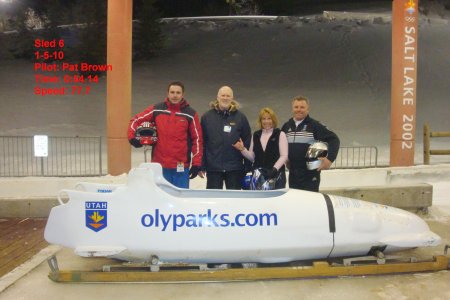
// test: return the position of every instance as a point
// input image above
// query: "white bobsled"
(149, 217)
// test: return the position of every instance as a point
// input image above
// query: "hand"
(239, 145)
(202, 174)
(135, 143)
(269, 173)
(272, 173)
(325, 165)
(193, 172)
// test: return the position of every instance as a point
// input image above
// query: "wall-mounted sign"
(41, 145)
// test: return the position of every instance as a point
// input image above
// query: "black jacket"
(309, 131)
(266, 159)
(221, 130)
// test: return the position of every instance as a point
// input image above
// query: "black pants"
(233, 180)
(303, 179)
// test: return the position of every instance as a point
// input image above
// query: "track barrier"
(67, 156)
(83, 156)
(427, 135)
(356, 157)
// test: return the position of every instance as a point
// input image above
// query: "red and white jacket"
(179, 133)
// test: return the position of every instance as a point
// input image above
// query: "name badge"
(226, 128)
(180, 167)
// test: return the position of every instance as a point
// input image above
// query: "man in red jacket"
(179, 135)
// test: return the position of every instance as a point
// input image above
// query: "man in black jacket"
(301, 131)
(223, 125)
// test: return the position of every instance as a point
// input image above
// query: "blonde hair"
(271, 113)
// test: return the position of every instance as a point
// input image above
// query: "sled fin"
(98, 251)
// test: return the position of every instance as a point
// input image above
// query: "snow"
(343, 66)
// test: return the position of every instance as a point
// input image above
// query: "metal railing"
(82, 156)
(67, 156)
(356, 157)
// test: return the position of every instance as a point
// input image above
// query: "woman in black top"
(268, 149)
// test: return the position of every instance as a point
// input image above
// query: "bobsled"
(148, 217)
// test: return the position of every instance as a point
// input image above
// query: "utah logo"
(96, 215)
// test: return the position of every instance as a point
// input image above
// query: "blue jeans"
(179, 179)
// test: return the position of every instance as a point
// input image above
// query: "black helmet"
(316, 150)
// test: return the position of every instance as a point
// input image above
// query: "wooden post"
(426, 144)
(427, 135)
(403, 89)
(118, 109)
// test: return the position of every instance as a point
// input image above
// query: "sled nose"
(413, 240)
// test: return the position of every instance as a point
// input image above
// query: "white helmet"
(316, 150)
